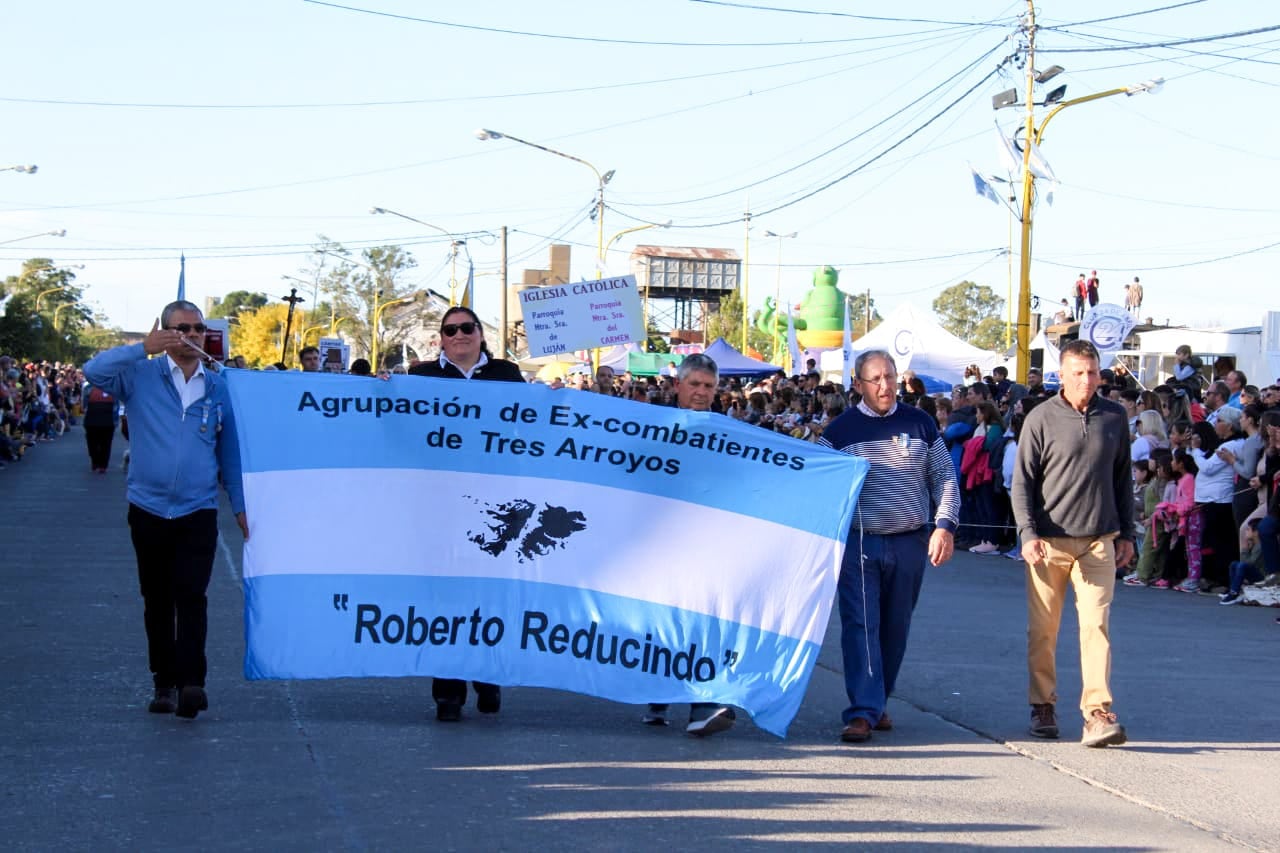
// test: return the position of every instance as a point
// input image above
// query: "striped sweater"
(911, 470)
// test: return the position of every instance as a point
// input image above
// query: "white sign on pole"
(341, 354)
(582, 315)
(1106, 326)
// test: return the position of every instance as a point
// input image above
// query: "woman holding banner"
(464, 355)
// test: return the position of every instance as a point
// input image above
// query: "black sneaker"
(165, 701)
(448, 712)
(656, 715)
(1229, 598)
(1044, 722)
(191, 701)
(719, 720)
(489, 701)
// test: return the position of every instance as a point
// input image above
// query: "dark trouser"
(1220, 544)
(175, 561)
(877, 596)
(1079, 308)
(1241, 574)
(455, 690)
(98, 440)
(1268, 530)
(984, 512)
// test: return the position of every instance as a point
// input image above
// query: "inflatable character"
(819, 320)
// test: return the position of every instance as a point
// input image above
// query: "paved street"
(357, 764)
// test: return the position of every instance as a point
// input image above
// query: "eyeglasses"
(451, 329)
(188, 328)
(891, 379)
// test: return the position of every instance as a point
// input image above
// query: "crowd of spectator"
(38, 402)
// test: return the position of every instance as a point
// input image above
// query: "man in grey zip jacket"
(1073, 503)
(183, 439)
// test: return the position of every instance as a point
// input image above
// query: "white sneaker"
(984, 548)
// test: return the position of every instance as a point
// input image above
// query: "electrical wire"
(740, 189)
(876, 18)
(1151, 45)
(837, 180)
(1185, 265)
(1125, 15)
(589, 39)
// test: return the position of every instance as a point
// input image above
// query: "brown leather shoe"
(858, 731)
(885, 723)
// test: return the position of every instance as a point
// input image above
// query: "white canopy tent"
(917, 342)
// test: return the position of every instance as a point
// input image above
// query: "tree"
(236, 301)
(857, 307)
(259, 334)
(53, 332)
(972, 313)
(726, 322)
(353, 287)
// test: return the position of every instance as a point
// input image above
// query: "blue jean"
(877, 596)
(1242, 573)
(1268, 530)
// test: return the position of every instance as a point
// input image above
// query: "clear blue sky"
(237, 131)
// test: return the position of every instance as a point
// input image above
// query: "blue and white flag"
(182, 277)
(523, 536)
(982, 187)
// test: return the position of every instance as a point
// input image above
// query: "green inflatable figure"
(820, 320)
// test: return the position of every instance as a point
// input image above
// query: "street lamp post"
(609, 245)
(61, 232)
(454, 244)
(601, 180)
(57, 311)
(377, 317)
(1033, 136)
(30, 170)
(777, 286)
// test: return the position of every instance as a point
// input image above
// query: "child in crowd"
(1176, 515)
(1158, 479)
(1248, 569)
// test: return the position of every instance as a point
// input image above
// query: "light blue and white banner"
(1106, 326)
(524, 536)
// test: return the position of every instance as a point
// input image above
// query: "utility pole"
(866, 330)
(1028, 192)
(293, 299)
(502, 315)
(746, 283)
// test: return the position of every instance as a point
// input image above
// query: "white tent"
(917, 342)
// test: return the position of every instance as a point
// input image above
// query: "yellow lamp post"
(57, 311)
(454, 244)
(377, 319)
(61, 232)
(604, 256)
(42, 294)
(777, 286)
(1033, 136)
(601, 180)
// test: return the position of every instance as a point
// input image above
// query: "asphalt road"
(359, 764)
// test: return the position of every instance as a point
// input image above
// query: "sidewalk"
(360, 764)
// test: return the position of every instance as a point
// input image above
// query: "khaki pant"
(1090, 565)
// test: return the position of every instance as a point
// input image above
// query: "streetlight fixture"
(56, 311)
(30, 170)
(377, 316)
(608, 245)
(1033, 137)
(601, 179)
(454, 244)
(61, 232)
(777, 286)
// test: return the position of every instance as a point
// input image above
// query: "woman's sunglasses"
(188, 328)
(451, 329)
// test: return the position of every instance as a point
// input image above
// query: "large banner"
(521, 535)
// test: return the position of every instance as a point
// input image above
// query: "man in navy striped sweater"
(890, 541)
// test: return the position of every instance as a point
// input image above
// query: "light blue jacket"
(175, 456)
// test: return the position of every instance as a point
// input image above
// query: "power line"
(1125, 15)
(1150, 45)
(590, 39)
(832, 149)
(876, 18)
(1199, 263)
(463, 98)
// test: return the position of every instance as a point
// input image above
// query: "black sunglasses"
(187, 328)
(451, 329)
